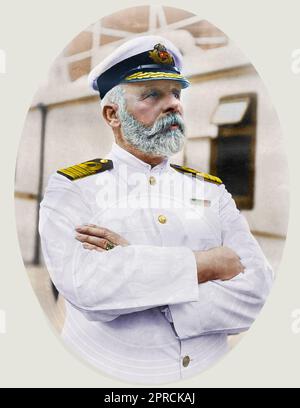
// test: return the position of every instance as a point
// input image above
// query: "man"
(156, 264)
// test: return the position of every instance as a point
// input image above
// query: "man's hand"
(98, 238)
(217, 263)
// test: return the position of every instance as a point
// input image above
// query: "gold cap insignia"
(160, 55)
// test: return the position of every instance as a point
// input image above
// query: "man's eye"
(177, 95)
(153, 94)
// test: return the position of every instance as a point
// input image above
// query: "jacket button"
(152, 180)
(162, 219)
(186, 361)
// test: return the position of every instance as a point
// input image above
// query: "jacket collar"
(120, 156)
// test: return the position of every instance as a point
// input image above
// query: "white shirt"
(138, 312)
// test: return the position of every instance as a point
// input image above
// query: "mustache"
(163, 124)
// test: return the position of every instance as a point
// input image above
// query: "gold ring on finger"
(109, 246)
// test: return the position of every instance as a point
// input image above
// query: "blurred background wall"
(232, 128)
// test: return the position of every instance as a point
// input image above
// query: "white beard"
(157, 140)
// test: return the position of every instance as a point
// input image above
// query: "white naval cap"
(140, 59)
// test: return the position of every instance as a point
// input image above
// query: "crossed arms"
(217, 263)
(203, 296)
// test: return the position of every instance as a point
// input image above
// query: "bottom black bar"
(137, 397)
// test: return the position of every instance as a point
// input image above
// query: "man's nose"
(172, 104)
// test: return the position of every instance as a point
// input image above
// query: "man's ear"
(109, 113)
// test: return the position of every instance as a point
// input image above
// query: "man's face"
(151, 117)
(150, 100)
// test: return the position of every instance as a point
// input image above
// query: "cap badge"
(160, 55)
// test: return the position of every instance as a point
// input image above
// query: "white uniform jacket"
(138, 312)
